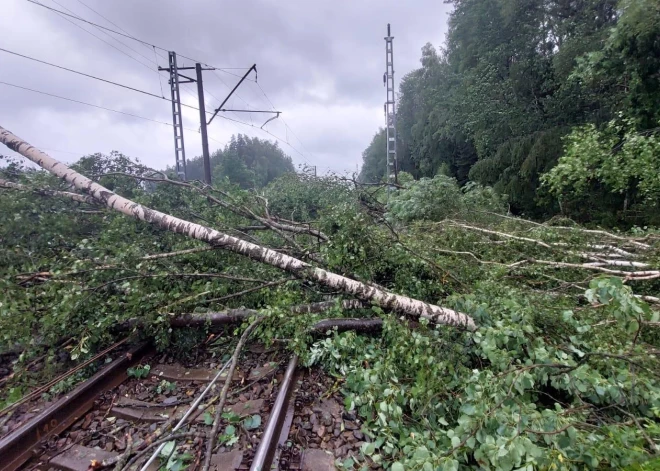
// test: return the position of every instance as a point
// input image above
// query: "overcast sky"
(320, 62)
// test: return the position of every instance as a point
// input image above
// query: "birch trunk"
(386, 300)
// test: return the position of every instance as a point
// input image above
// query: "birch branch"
(638, 275)
(501, 234)
(46, 275)
(210, 443)
(177, 253)
(48, 192)
(606, 234)
(238, 210)
(386, 300)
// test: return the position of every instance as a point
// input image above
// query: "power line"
(129, 114)
(88, 104)
(128, 35)
(107, 34)
(92, 34)
(82, 73)
(144, 92)
(286, 125)
(263, 130)
(224, 69)
(102, 28)
(106, 19)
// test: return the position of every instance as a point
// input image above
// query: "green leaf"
(252, 422)
(368, 448)
(208, 419)
(396, 466)
(167, 449)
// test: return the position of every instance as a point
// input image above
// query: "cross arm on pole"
(252, 111)
(219, 108)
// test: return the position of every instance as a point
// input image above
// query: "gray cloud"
(320, 62)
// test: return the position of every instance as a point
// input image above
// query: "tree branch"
(48, 192)
(387, 300)
(223, 395)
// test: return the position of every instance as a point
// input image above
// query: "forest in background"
(520, 86)
(248, 162)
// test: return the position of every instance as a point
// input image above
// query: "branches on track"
(223, 394)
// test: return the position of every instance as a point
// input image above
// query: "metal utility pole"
(179, 148)
(390, 111)
(177, 78)
(202, 121)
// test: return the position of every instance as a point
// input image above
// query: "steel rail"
(263, 457)
(17, 447)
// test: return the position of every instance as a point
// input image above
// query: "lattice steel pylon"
(390, 110)
(179, 148)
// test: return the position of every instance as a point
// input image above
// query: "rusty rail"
(17, 447)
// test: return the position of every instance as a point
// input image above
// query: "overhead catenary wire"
(286, 125)
(108, 34)
(111, 82)
(75, 17)
(117, 111)
(89, 104)
(63, 15)
(161, 97)
(84, 74)
(155, 62)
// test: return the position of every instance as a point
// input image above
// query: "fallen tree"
(397, 303)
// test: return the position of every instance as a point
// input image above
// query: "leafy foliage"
(512, 79)
(440, 198)
(618, 157)
(248, 162)
(560, 374)
(509, 395)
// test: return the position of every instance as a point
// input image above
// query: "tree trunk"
(386, 300)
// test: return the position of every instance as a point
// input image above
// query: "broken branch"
(397, 303)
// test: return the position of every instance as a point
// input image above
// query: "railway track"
(143, 403)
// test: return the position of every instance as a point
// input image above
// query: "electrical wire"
(223, 69)
(286, 125)
(102, 108)
(127, 35)
(82, 73)
(154, 47)
(128, 87)
(88, 104)
(92, 34)
(263, 130)
(109, 35)
(156, 55)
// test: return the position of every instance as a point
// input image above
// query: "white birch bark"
(386, 300)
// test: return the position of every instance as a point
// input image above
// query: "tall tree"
(246, 161)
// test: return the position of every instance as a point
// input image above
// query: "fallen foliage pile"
(509, 344)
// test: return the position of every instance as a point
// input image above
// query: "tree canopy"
(248, 162)
(515, 77)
